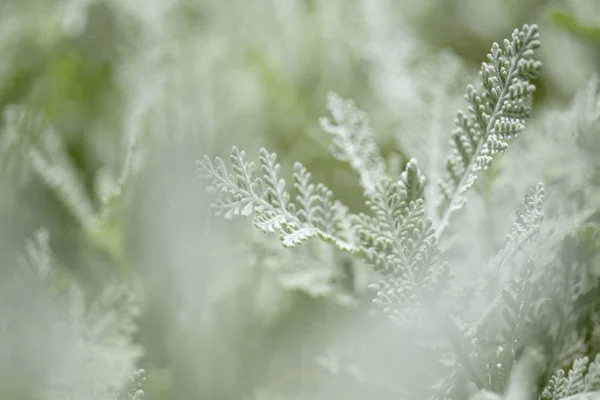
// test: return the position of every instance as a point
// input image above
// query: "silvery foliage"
(82, 349)
(526, 295)
(94, 336)
(31, 148)
(494, 116)
(571, 136)
(133, 390)
(582, 381)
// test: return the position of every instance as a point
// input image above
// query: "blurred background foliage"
(135, 91)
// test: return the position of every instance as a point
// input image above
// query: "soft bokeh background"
(118, 99)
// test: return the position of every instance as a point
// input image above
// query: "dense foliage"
(398, 248)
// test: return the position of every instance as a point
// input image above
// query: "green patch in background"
(571, 24)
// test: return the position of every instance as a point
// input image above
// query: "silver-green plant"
(521, 300)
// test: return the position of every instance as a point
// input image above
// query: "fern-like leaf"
(519, 302)
(525, 229)
(592, 378)
(264, 195)
(523, 232)
(495, 115)
(396, 210)
(561, 386)
(134, 388)
(353, 140)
